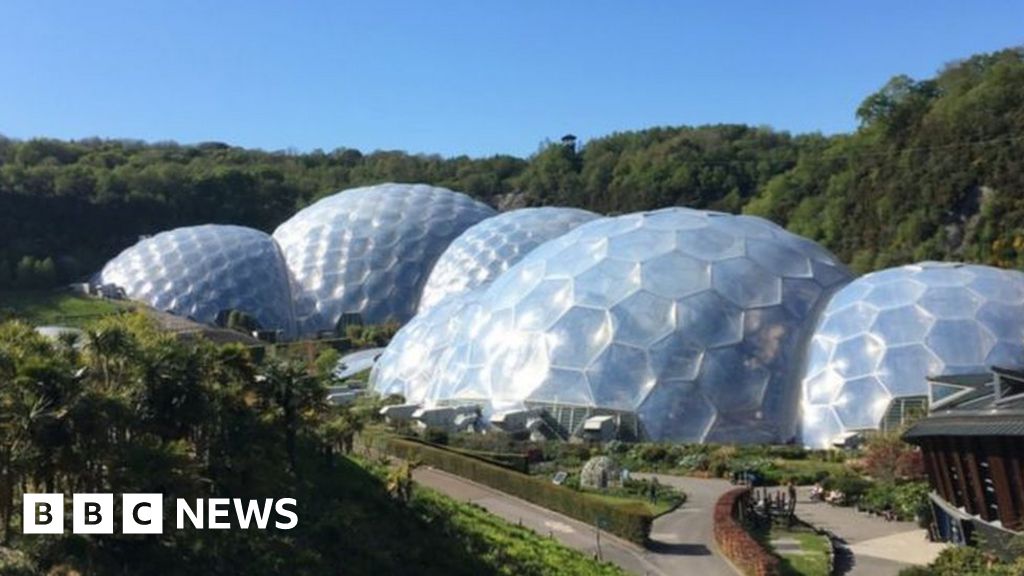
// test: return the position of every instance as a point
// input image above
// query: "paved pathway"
(684, 539)
(681, 539)
(873, 546)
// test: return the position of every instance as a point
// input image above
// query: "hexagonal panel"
(905, 325)
(780, 259)
(710, 319)
(640, 245)
(677, 410)
(746, 284)
(856, 318)
(643, 318)
(747, 376)
(579, 336)
(861, 403)
(905, 369)
(858, 356)
(894, 294)
(962, 342)
(544, 305)
(607, 283)
(675, 275)
(950, 302)
(709, 244)
(620, 377)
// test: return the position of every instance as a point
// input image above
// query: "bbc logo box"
(144, 513)
(92, 514)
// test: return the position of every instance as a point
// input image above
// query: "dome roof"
(368, 251)
(202, 271)
(691, 320)
(408, 363)
(883, 334)
(489, 248)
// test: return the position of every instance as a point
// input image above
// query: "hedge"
(631, 521)
(517, 462)
(735, 542)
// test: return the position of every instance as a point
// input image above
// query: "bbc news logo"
(144, 513)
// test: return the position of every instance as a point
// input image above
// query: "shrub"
(850, 484)
(436, 436)
(721, 460)
(631, 521)
(888, 458)
(960, 560)
(735, 542)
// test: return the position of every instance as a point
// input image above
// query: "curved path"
(869, 545)
(682, 540)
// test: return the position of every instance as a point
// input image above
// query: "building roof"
(988, 404)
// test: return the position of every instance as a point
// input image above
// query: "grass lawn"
(812, 560)
(657, 508)
(60, 307)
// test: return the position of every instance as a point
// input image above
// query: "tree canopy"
(933, 171)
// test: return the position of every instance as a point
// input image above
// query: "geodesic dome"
(489, 248)
(368, 251)
(883, 334)
(692, 321)
(204, 271)
(408, 363)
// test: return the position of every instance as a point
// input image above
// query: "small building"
(514, 420)
(344, 398)
(973, 446)
(599, 428)
(448, 418)
(399, 413)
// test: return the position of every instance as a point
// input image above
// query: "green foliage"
(325, 363)
(16, 563)
(437, 436)
(887, 458)
(852, 485)
(932, 172)
(814, 556)
(631, 521)
(906, 499)
(370, 336)
(49, 307)
(140, 411)
(512, 549)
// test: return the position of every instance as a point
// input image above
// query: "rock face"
(883, 334)
(600, 472)
(368, 251)
(202, 272)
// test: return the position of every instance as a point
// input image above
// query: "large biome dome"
(689, 321)
(368, 251)
(489, 248)
(205, 271)
(882, 335)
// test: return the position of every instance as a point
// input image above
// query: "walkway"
(873, 546)
(682, 539)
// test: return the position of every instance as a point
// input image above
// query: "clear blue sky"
(463, 77)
